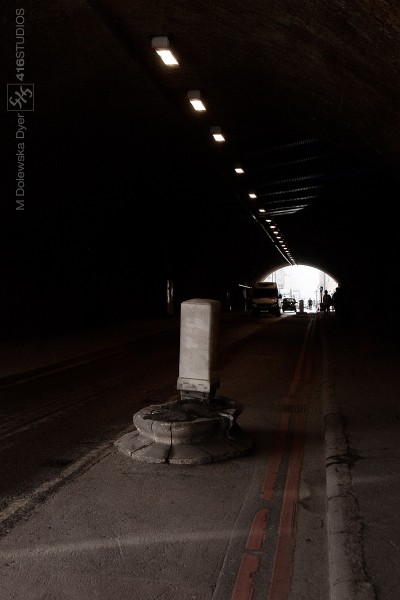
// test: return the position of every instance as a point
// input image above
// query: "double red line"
(298, 396)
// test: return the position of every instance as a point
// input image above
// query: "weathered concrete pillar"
(191, 430)
(198, 358)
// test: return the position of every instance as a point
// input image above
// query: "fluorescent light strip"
(197, 105)
(167, 57)
(161, 46)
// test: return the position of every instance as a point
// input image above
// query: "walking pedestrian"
(326, 303)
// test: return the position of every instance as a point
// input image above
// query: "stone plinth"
(187, 431)
(199, 427)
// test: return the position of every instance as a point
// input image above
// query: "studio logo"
(20, 97)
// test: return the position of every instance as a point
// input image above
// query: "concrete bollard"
(198, 358)
(193, 429)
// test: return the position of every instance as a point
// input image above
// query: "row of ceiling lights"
(162, 47)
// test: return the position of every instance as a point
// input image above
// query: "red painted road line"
(257, 532)
(244, 583)
(283, 564)
(297, 373)
(282, 572)
(274, 462)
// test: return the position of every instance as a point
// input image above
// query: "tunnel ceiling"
(117, 161)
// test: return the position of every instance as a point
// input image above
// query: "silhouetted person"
(337, 301)
(342, 304)
(326, 303)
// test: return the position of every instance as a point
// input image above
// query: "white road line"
(27, 501)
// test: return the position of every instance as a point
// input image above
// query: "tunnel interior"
(113, 185)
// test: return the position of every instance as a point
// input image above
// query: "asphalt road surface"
(248, 528)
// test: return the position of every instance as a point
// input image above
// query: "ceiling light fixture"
(194, 97)
(252, 195)
(161, 46)
(239, 169)
(217, 134)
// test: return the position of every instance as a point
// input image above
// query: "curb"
(348, 580)
(347, 577)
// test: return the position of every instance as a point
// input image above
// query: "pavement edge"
(347, 577)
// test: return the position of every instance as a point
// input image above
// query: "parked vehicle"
(265, 297)
(289, 304)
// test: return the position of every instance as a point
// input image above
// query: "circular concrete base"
(187, 431)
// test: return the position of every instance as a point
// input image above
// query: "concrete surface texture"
(119, 529)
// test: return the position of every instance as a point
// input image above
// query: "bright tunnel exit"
(303, 282)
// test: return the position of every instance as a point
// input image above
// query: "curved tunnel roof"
(123, 180)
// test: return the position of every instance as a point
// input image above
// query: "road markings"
(244, 583)
(282, 571)
(26, 503)
(291, 434)
(257, 532)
